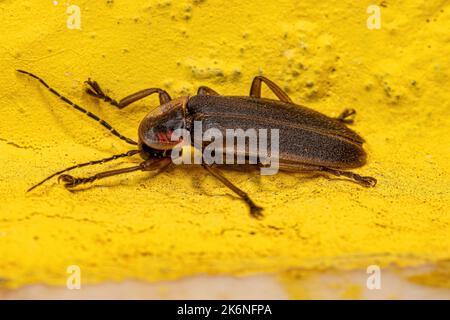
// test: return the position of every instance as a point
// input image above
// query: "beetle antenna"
(74, 105)
(117, 156)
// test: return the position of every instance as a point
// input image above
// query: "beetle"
(309, 140)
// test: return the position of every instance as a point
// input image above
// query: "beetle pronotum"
(309, 140)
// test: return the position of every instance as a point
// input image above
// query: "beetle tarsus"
(71, 182)
(344, 116)
(97, 92)
(364, 181)
(67, 179)
(368, 182)
(256, 212)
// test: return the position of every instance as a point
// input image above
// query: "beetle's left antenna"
(77, 107)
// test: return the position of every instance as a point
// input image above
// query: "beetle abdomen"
(305, 136)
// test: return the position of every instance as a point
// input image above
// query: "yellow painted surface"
(183, 222)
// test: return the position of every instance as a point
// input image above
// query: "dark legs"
(343, 117)
(363, 181)
(96, 91)
(206, 91)
(90, 163)
(148, 165)
(255, 211)
(255, 89)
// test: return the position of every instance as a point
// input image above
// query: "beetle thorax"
(156, 129)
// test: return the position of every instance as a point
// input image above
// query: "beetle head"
(155, 130)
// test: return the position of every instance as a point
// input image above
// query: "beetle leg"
(95, 90)
(148, 165)
(90, 163)
(206, 91)
(343, 117)
(363, 181)
(299, 167)
(255, 211)
(255, 89)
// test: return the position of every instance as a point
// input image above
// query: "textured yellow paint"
(183, 222)
(439, 277)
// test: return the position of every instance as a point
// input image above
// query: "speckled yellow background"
(183, 222)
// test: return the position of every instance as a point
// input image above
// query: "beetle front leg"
(255, 89)
(95, 90)
(148, 165)
(255, 211)
(85, 164)
(364, 181)
(343, 117)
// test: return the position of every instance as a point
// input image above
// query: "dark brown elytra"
(309, 140)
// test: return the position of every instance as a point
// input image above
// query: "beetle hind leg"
(364, 181)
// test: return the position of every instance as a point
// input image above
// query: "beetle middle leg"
(255, 89)
(148, 165)
(206, 91)
(255, 211)
(95, 90)
(344, 116)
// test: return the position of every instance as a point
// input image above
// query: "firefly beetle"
(309, 140)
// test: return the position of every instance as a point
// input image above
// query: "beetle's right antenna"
(117, 156)
(74, 105)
